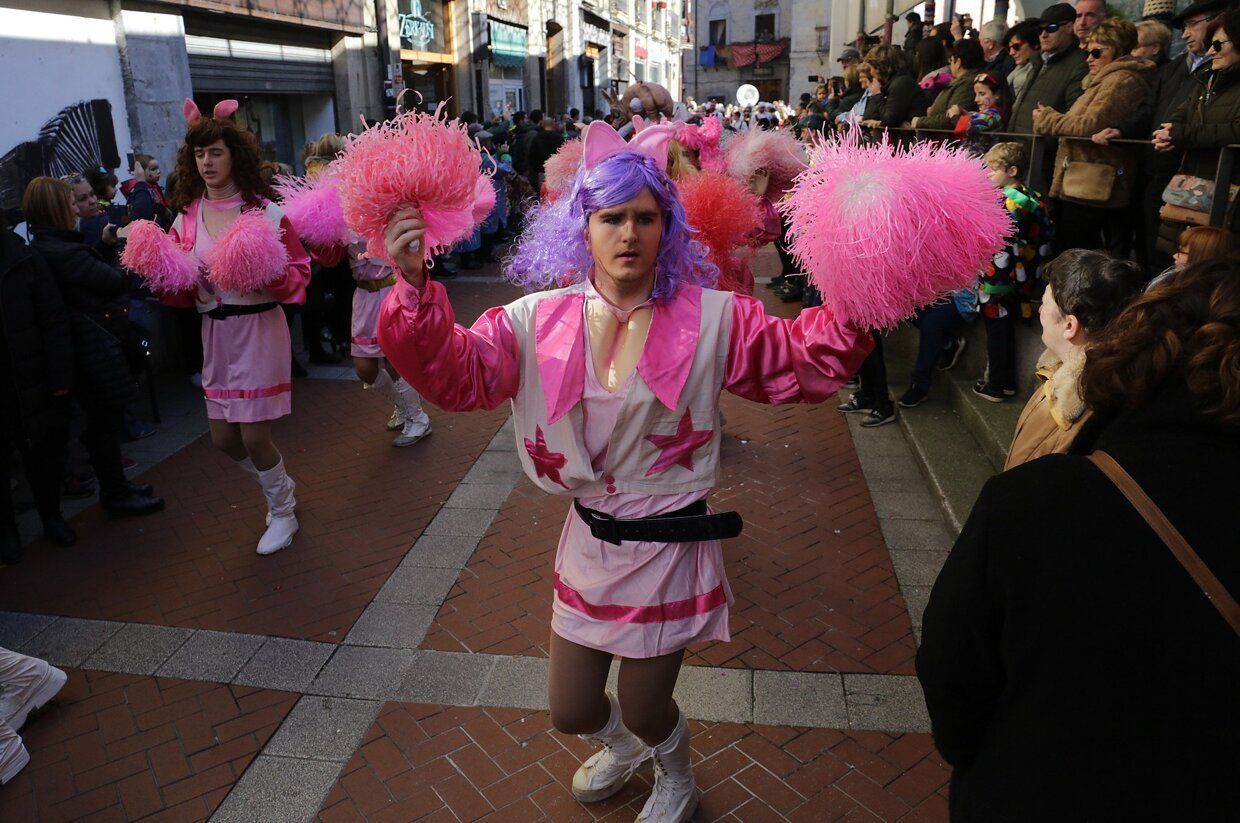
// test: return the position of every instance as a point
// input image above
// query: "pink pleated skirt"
(364, 341)
(246, 363)
(638, 599)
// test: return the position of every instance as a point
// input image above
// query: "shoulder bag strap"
(1214, 590)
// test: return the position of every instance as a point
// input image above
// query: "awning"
(746, 54)
(508, 44)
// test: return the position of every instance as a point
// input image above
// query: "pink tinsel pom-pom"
(154, 255)
(882, 231)
(417, 160)
(775, 151)
(313, 207)
(722, 212)
(249, 256)
(484, 199)
(562, 167)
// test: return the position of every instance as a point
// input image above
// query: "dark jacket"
(1000, 65)
(1057, 84)
(36, 341)
(916, 31)
(1208, 120)
(544, 145)
(833, 107)
(959, 92)
(146, 203)
(522, 136)
(902, 100)
(1172, 85)
(96, 294)
(1072, 668)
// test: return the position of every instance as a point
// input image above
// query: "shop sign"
(421, 25)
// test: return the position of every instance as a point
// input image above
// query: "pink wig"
(164, 265)
(249, 256)
(775, 150)
(704, 139)
(313, 207)
(882, 231)
(562, 168)
(416, 159)
(722, 212)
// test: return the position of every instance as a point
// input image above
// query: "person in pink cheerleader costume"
(253, 262)
(614, 379)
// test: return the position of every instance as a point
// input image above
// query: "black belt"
(687, 525)
(226, 310)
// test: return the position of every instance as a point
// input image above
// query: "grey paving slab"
(799, 699)
(70, 640)
(442, 551)
(905, 504)
(916, 598)
(461, 522)
(450, 678)
(392, 625)
(215, 656)
(364, 672)
(138, 649)
(288, 665)
(892, 473)
(917, 568)
(324, 728)
(706, 693)
(17, 628)
(278, 790)
(916, 535)
(495, 467)
(418, 585)
(517, 683)
(504, 439)
(479, 495)
(887, 702)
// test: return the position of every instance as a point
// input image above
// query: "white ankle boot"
(417, 423)
(26, 683)
(13, 754)
(674, 797)
(282, 522)
(606, 772)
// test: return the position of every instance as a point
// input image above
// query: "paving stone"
(892, 473)
(324, 728)
(441, 551)
(916, 535)
(517, 682)
(461, 522)
(799, 699)
(288, 665)
(138, 649)
(495, 467)
(917, 568)
(17, 628)
(278, 790)
(70, 640)
(916, 598)
(504, 440)
(392, 625)
(706, 693)
(418, 585)
(359, 671)
(448, 678)
(479, 496)
(215, 656)
(890, 703)
(905, 505)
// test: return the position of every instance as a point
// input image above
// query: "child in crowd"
(993, 98)
(1014, 271)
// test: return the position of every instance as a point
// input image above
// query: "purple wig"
(552, 250)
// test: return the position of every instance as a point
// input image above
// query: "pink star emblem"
(678, 448)
(546, 463)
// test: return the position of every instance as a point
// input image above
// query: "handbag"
(1189, 199)
(1210, 585)
(1088, 182)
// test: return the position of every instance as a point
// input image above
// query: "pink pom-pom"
(562, 167)
(313, 207)
(484, 199)
(723, 212)
(416, 160)
(151, 253)
(882, 231)
(710, 155)
(775, 151)
(249, 256)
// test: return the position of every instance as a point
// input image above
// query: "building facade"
(739, 42)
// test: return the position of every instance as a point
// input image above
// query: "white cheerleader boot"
(282, 522)
(26, 683)
(417, 422)
(389, 390)
(674, 798)
(606, 771)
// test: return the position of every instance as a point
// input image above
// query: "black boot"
(58, 532)
(144, 489)
(11, 551)
(131, 505)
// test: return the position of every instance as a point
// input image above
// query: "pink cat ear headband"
(601, 141)
(222, 110)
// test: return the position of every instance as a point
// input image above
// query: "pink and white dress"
(246, 359)
(646, 443)
(374, 281)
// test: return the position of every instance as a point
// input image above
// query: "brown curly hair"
(246, 162)
(1187, 327)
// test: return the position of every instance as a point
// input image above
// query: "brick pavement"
(424, 762)
(123, 747)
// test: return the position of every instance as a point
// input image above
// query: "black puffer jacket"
(36, 341)
(96, 294)
(1208, 120)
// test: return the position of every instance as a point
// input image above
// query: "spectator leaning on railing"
(902, 100)
(1093, 183)
(965, 62)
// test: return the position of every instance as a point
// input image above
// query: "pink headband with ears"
(601, 141)
(223, 109)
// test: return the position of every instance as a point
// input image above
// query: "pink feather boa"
(722, 212)
(155, 256)
(705, 140)
(775, 151)
(249, 256)
(882, 231)
(417, 160)
(562, 167)
(313, 207)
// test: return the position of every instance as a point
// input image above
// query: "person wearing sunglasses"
(1022, 42)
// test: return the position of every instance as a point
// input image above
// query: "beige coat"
(1054, 414)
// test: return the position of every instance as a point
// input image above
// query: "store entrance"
(433, 84)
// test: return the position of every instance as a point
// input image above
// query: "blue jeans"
(937, 323)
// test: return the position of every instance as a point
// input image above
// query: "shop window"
(764, 28)
(718, 32)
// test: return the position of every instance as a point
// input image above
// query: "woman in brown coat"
(1094, 183)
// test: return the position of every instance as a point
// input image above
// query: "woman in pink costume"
(245, 339)
(614, 381)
